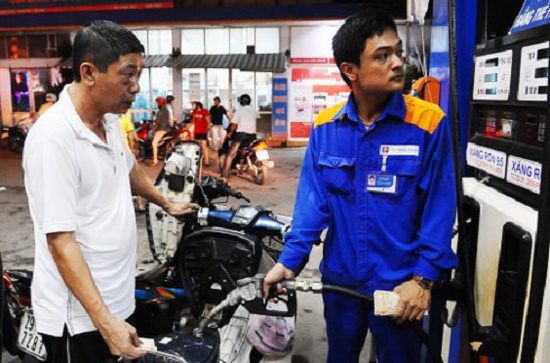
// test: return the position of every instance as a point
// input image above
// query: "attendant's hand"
(277, 273)
(413, 303)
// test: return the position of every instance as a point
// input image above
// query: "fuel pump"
(505, 193)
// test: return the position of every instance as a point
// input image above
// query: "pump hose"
(432, 349)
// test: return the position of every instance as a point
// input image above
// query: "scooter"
(145, 138)
(252, 159)
(17, 134)
(198, 261)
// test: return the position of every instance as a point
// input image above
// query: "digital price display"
(533, 73)
(492, 76)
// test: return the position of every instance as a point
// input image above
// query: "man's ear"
(87, 72)
(349, 69)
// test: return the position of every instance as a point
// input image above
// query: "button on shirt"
(378, 234)
(75, 182)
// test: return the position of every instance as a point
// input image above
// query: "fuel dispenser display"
(508, 114)
(507, 123)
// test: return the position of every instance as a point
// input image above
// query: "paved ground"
(16, 239)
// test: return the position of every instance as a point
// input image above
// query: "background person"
(162, 126)
(201, 122)
(130, 137)
(217, 112)
(78, 178)
(392, 234)
(241, 129)
(170, 107)
(51, 98)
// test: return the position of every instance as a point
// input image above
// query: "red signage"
(312, 60)
(102, 7)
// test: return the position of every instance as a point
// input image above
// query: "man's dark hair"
(217, 99)
(350, 40)
(169, 98)
(102, 43)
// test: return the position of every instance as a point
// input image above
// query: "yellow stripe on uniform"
(328, 114)
(423, 114)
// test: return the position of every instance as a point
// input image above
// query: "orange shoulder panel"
(328, 114)
(423, 114)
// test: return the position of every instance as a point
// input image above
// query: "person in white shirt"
(79, 178)
(242, 129)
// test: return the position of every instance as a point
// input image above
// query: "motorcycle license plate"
(29, 340)
(262, 155)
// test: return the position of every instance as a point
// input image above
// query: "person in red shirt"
(201, 120)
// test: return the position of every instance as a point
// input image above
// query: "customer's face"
(118, 87)
(381, 69)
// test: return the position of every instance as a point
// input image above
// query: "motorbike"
(197, 263)
(145, 134)
(18, 133)
(252, 159)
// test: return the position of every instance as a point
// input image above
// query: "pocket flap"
(335, 161)
(407, 167)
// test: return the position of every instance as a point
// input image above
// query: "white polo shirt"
(76, 182)
(245, 117)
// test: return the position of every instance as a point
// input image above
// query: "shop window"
(218, 85)
(237, 41)
(192, 41)
(38, 46)
(39, 81)
(20, 92)
(142, 36)
(217, 41)
(3, 48)
(267, 40)
(17, 47)
(142, 105)
(264, 86)
(160, 41)
(243, 82)
(193, 89)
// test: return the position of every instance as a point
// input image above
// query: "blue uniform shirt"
(386, 194)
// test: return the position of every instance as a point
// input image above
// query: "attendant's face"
(382, 66)
(117, 89)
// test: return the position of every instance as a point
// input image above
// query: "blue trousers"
(348, 320)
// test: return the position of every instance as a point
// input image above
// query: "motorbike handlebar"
(234, 193)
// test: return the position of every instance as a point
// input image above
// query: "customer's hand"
(121, 338)
(277, 273)
(413, 303)
(180, 209)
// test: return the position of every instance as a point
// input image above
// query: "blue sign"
(280, 108)
(533, 13)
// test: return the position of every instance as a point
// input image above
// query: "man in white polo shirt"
(79, 176)
(241, 130)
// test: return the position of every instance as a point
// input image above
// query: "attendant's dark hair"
(351, 39)
(102, 43)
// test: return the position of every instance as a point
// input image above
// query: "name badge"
(381, 183)
(404, 150)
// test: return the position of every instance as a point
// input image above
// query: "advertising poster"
(194, 86)
(301, 109)
(280, 109)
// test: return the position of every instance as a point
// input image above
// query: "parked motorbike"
(252, 159)
(18, 334)
(145, 138)
(198, 261)
(18, 133)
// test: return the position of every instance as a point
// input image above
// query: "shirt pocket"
(338, 173)
(406, 171)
